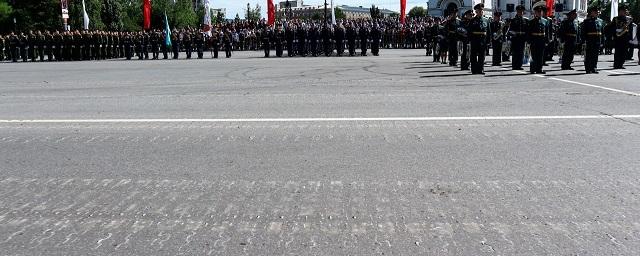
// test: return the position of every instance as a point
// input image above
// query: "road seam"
(347, 119)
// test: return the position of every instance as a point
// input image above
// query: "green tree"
(317, 16)
(254, 13)
(112, 15)
(6, 17)
(375, 12)
(184, 15)
(339, 14)
(220, 18)
(37, 14)
(94, 11)
(417, 12)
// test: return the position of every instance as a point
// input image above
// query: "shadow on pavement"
(448, 75)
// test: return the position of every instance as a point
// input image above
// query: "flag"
(333, 14)
(206, 28)
(167, 30)
(403, 9)
(614, 8)
(271, 13)
(550, 7)
(146, 14)
(85, 17)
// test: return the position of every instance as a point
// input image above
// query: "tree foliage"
(417, 12)
(116, 15)
(37, 14)
(375, 12)
(339, 14)
(220, 18)
(6, 16)
(254, 14)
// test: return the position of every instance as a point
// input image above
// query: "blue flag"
(167, 31)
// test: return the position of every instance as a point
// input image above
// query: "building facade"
(438, 7)
(298, 10)
(507, 7)
(360, 12)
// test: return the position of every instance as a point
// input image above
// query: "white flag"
(85, 17)
(614, 8)
(207, 19)
(333, 14)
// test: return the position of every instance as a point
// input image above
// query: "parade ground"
(393, 155)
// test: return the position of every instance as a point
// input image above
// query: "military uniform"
(326, 40)
(128, 45)
(215, 43)
(58, 40)
(227, 44)
(2, 45)
(376, 36)
(313, 41)
(87, 46)
(278, 39)
(497, 38)
(164, 47)
(620, 30)
(568, 34)
(199, 42)
(463, 37)
(339, 36)
(186, 41)
(77, 46)
(479, 31)
(537, 34)
(24, 41)
(290, 36)
(302, 38)
(145, 45)
(32, 42)
(351, 40)
(364, 37)
(452, 26)
(175, 44)
(518, 35)
(14, 46)
(266, 41)
(592, 34)
(550, 45)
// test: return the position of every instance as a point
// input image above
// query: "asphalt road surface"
(391, 155)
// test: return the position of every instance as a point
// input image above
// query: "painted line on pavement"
(596, 86)
(580, 83)
(352, 119)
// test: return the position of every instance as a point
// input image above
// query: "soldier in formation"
(443, 37)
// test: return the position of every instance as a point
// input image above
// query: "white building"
(437, 7)
(507, 7)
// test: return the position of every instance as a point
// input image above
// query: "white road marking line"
(585, 84)
(338, 119)
(596, 86)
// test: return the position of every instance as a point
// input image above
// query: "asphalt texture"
(525, 164)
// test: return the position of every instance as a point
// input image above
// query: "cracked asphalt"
(501, 164)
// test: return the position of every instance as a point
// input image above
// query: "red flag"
(146, 14)
(550, 7)
(403, 9)
(271, 12)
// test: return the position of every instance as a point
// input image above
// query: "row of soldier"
(100, 45)
(536, 36)
(440, 37)
(314, 39)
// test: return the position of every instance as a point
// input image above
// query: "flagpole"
(333, 14)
